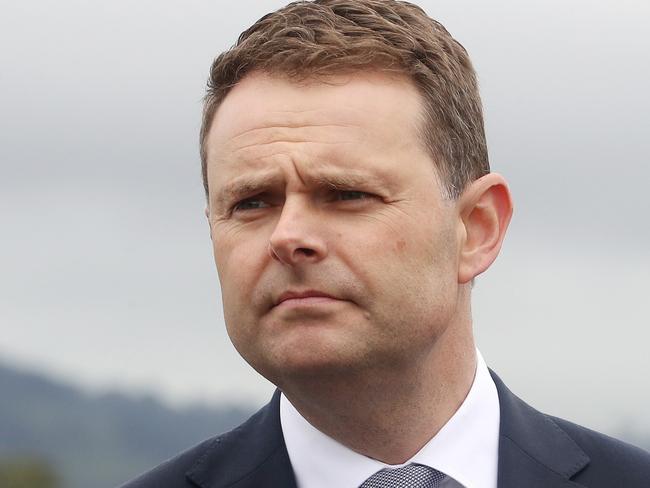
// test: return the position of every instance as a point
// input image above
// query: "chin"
(306, 360)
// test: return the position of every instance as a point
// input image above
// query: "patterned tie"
(409, 476)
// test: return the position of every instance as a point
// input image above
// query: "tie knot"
(409, 476)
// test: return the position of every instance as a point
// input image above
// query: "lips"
(290, 295)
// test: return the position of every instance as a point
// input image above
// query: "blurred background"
(113, 352)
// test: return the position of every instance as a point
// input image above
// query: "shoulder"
(534, 446)
(171, 473)
(610, 458)
(220, 457)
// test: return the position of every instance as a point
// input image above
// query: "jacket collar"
(250, 456)
(533, 451)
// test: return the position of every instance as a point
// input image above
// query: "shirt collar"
(466, 448)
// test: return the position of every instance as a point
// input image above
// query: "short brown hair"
(306, 40)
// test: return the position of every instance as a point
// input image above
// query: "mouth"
(304, 298)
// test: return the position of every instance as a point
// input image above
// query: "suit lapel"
(533, 451)
(251, 456)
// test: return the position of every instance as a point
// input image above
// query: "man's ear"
(485, 211)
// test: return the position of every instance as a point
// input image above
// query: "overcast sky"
(106, 272)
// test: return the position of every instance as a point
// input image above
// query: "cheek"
(421, 261)
(238, 267)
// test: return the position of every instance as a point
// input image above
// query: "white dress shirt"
(465, 449)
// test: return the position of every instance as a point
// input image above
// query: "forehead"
(366, 105)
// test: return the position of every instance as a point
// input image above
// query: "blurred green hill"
(67, 438)
(27, 473)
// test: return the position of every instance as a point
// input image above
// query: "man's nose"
(298, 235)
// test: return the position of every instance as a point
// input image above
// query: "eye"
(351, 195)
(252, 203)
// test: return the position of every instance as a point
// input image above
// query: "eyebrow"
(253, 183)
(349, 180)
(244, 185)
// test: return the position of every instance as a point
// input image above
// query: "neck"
(390, 414)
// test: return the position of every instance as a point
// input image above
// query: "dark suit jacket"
(535, 451)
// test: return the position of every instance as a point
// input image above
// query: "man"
(351, 206)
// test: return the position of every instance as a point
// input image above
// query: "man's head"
(314, 40)
(337, 245)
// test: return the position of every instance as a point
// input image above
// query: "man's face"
(333, 244)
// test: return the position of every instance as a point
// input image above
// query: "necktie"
(409, 476)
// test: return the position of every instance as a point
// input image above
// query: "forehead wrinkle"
(341, 116)
(250, 123)
(258, 147)
(256, 155)
(269, 127)
(305, 134)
